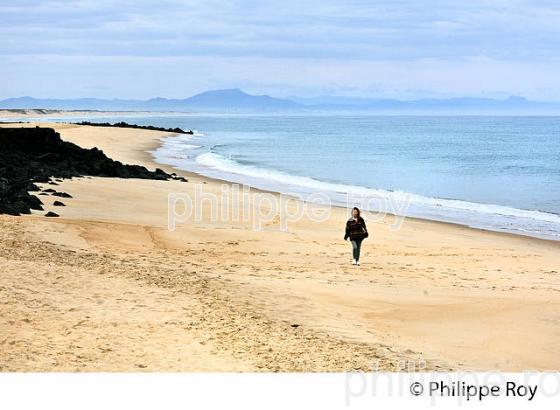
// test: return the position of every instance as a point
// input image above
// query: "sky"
(382, 49)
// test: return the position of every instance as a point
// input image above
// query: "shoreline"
(146, 157)
(514, 233)
(32, 113)
(217, 297)
(153, 160)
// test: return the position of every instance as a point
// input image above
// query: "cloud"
(507, 45)
(326, 29)
(178, 77)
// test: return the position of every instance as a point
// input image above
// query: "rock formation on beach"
(35, 155)
(123, 124)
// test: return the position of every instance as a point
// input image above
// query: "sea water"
(496, 173)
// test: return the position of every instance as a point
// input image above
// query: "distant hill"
(466, 105)
(238, 101)
(233, 100)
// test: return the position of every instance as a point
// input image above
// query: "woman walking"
(356, 230)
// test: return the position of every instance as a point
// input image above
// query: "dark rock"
(34, 202)
(58, 203)
(42, 179)
(4, 183)
(62, 195)
(19, 207)
(35, 155)
(51, 214)
(123, 124)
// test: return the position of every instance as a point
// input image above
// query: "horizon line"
(293, 96)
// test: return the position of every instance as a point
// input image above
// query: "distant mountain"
(332, 100)
(233, 100)
(465, 105)
(238, 101)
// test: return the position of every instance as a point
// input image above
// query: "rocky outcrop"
(32, 155)
(123, 124)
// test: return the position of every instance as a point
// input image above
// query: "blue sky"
(397, 49)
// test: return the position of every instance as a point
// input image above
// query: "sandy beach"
(107, 287)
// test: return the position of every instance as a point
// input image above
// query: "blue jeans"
(356, 245)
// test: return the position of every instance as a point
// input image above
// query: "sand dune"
(107, 287)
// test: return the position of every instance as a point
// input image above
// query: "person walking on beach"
(356, 230)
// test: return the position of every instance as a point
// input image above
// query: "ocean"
(495, 173)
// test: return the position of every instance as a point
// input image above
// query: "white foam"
(485, 216)
(488, 216)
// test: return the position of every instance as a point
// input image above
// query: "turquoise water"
(498, 173)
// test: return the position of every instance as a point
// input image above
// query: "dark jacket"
(356, 229)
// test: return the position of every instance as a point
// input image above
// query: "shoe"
(358, 263)
(353, 261)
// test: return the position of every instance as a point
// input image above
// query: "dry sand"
(107, 287)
